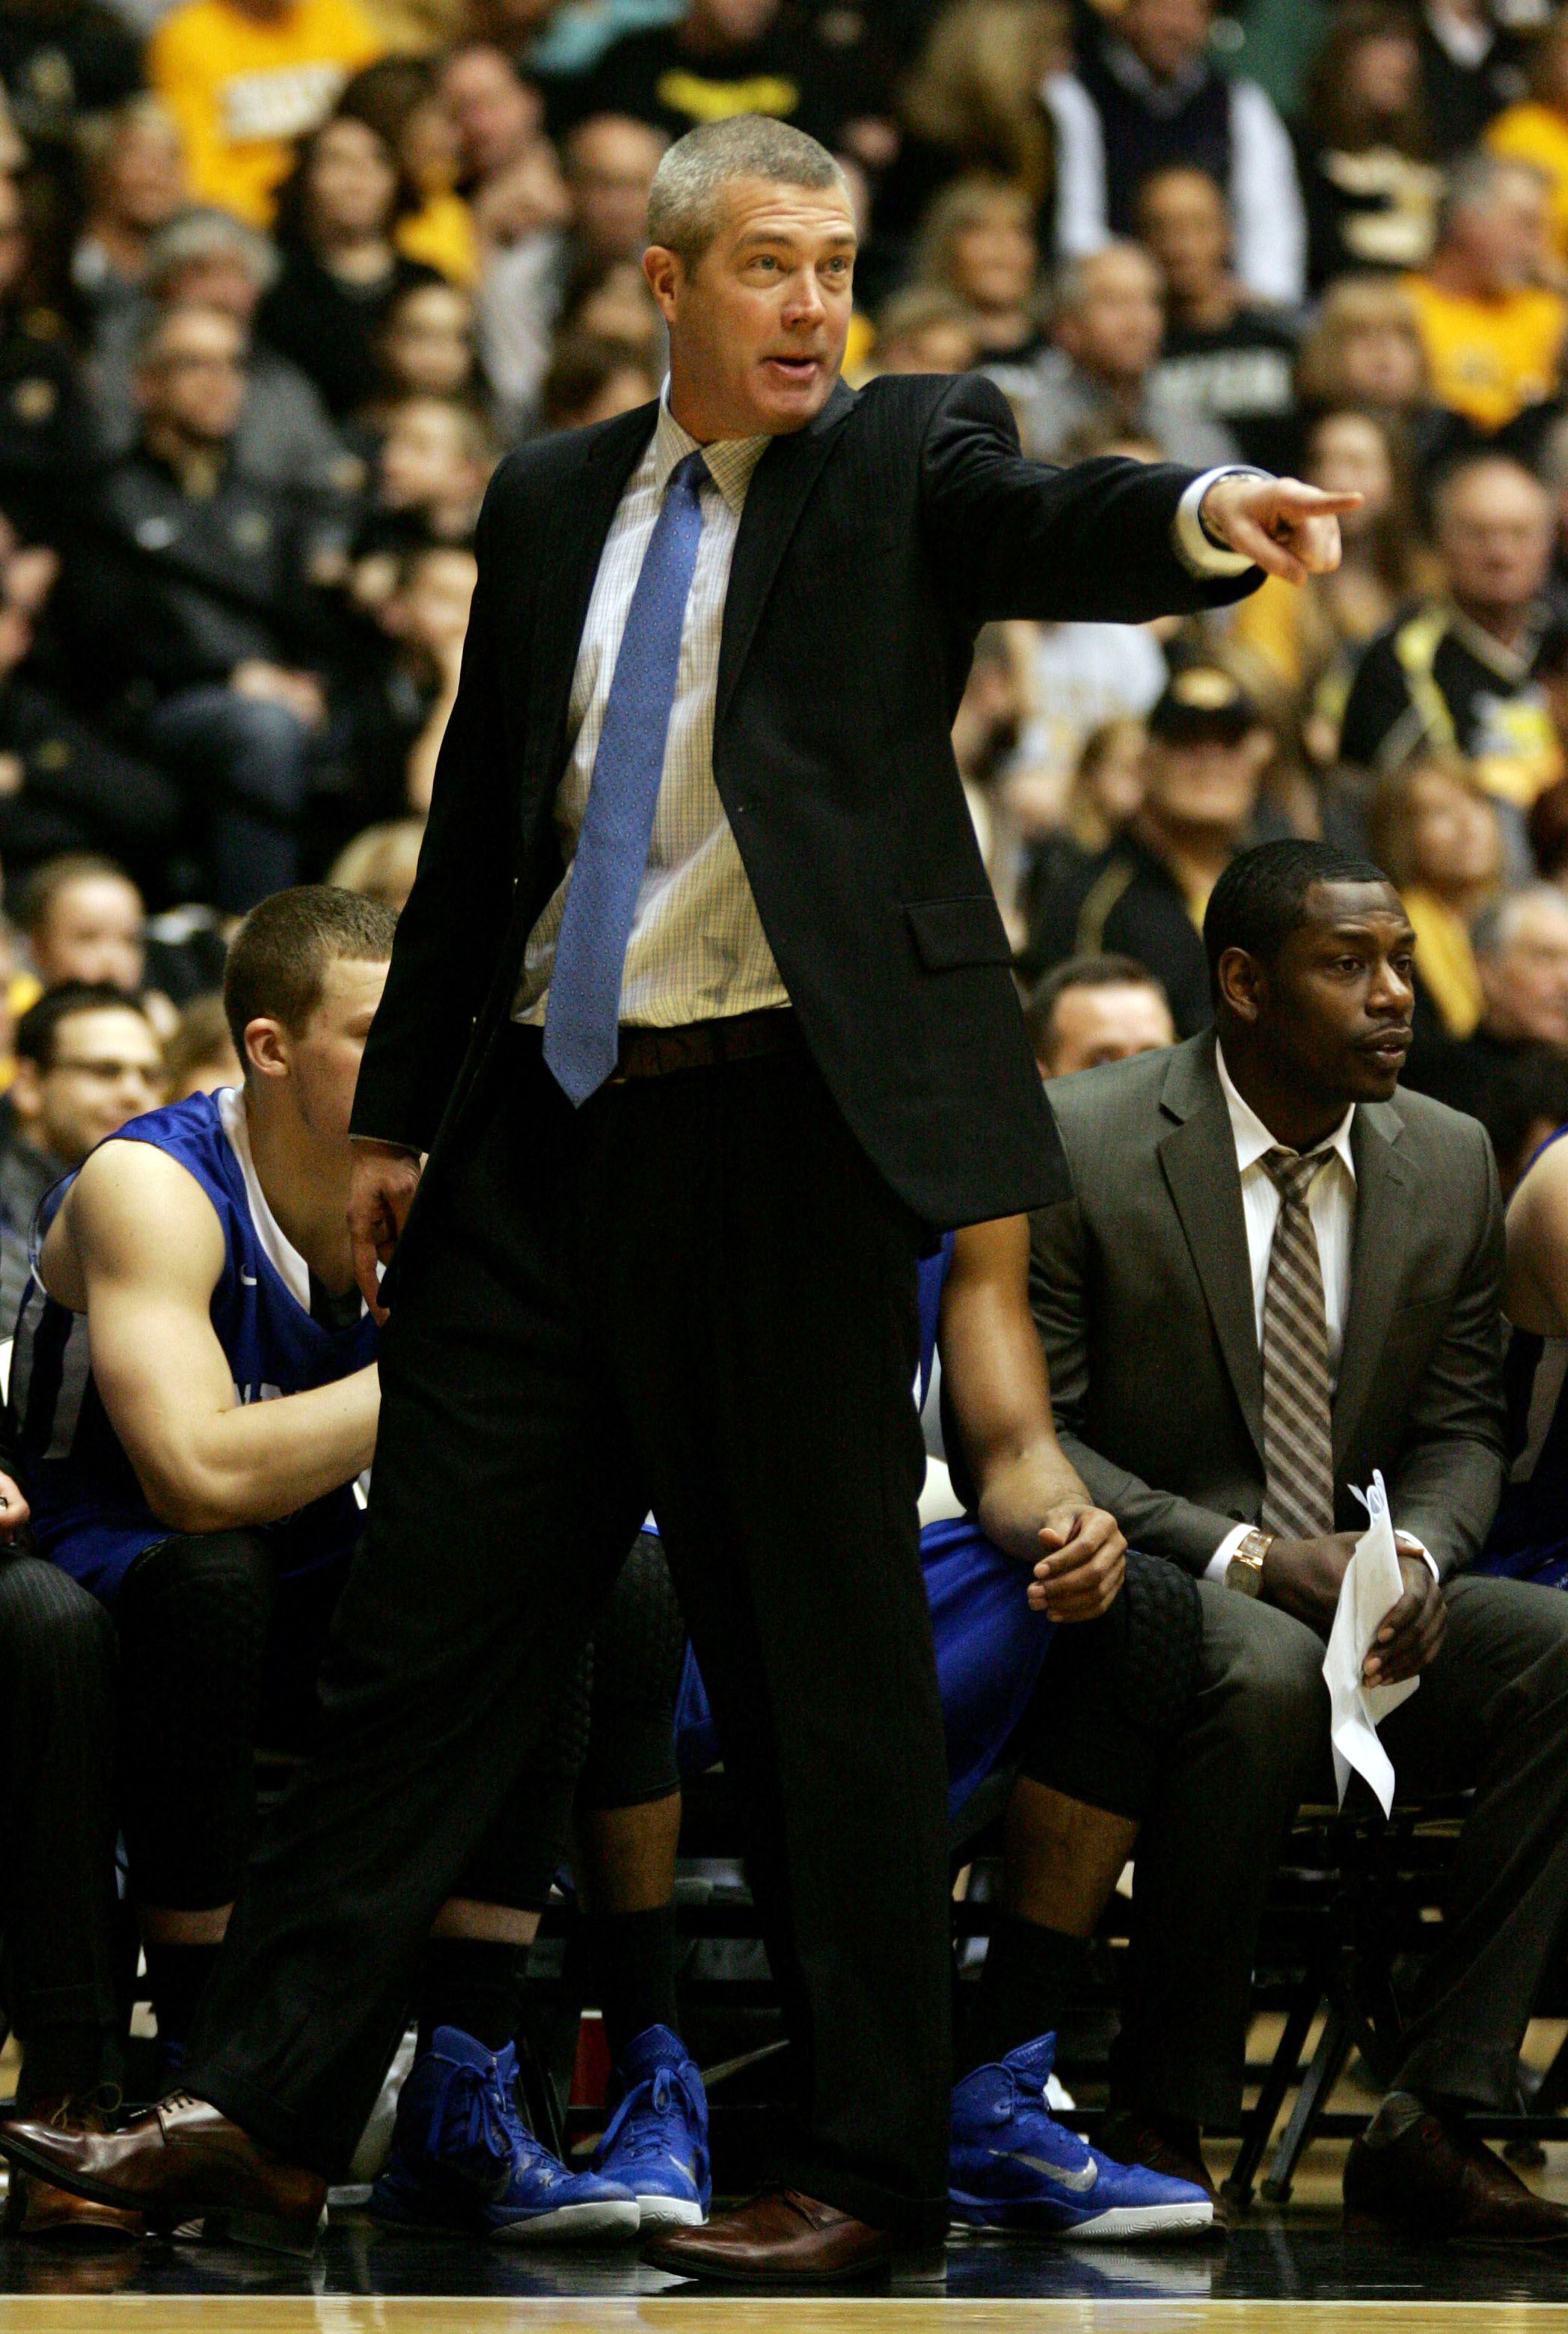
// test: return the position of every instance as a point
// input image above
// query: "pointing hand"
(1290, 530)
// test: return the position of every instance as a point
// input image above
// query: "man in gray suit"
(1275, 1275)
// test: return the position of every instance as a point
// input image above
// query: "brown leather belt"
(704, 1045)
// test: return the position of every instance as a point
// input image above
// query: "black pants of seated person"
(1097, 1728)
(1491, 1716)
(57, 1827)
(218, 1659)
(694, 1294)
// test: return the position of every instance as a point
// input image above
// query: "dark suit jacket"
(1142, 1292)
(874, 543)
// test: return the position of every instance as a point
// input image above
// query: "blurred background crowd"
(282, 280)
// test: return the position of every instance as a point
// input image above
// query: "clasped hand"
(1079, 1575)
(1302, 1577)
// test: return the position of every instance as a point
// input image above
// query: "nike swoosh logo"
(1077, 2182)
(248, 1279)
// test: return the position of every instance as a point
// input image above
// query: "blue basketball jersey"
(89, 1512)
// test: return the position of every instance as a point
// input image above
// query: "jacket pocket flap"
(953, 933)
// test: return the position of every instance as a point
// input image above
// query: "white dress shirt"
(696, 952)
(1331, 1206)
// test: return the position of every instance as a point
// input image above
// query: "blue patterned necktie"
(583, 1011)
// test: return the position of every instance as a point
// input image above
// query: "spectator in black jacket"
(341, 269)
(1363, 147)
(1145, 896)
(62, 785)
(42, 430)
(1225, 358)
(188, 604)
(87, 1060)
(1459, 672)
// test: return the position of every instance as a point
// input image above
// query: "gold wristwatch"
(1245, 1571)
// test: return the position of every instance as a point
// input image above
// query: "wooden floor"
(339, 2314)
(1295, 2271)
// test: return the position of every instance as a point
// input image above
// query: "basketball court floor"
(1291, 2272)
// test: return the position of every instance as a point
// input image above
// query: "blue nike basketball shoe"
(656, 2144)
(463, 2159)
(1013, 2167)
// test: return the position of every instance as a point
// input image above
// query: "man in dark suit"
(688, 1115)
(1277, 1274)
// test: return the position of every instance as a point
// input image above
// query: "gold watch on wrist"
(1244, 1573)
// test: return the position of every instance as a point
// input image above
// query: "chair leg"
(1551, 2091)
(1317, 2087)
(1281, 2075)
(1283, 2072)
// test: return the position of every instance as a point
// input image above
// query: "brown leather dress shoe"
(779, 2238)
(35, 2209)
(1435, 2180)
(181, 2161)
(1160, 2144)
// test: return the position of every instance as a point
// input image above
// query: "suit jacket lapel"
(1198, 1159)
(583, 519)
(774, 502)
(1377, 1260)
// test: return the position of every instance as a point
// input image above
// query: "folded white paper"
(1372, 1585)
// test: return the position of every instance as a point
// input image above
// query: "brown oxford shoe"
(180, 2161)
(1435, 2180)
(35, 2209)
(779, 2238)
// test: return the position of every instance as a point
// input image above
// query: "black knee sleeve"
(1113, 1692)
(193, 1615)
(516, 1861)
(639, 1648)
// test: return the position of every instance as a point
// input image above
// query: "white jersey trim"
(286, 1260)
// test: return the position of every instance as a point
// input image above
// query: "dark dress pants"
(58, 1811)
(694, 1294)
(1491, 1716)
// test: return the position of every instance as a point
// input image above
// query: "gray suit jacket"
(1142, 1294)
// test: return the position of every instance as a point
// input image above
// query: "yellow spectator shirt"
(441, 234)
(242, 90)
(1489, 359)
(1537, 134)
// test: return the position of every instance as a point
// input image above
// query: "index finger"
(1318, 500)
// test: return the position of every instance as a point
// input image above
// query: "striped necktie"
(582, 1010)
(1297, 1424)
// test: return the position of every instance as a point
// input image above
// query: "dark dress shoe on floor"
(180, 2161)
(1435, 2180)
(1160, 2144)
(34, 2208)
(780, 2238)
(54, 2216)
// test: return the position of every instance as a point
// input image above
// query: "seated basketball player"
(196, 1390)
(1055, 1665)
